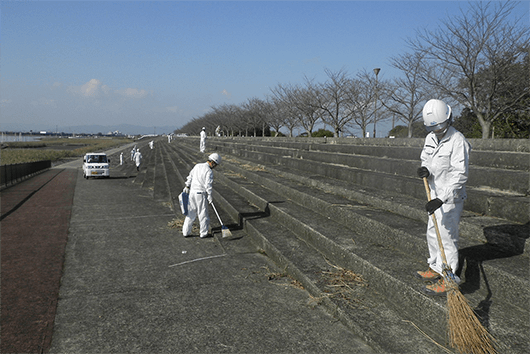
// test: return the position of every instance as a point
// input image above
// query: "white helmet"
(203, 128)
(215, 157)
(436, 115)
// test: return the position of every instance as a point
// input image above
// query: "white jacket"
(448, 164)
(200, 178)
(138, 157)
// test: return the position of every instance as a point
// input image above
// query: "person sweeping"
(444, 170)
(444, 162)
(199, 187)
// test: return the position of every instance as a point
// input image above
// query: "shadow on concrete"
(509, 237)
(504, 241)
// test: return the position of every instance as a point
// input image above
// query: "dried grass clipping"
(178, 223)
(175, 224)
(342, 282)
(466, 333)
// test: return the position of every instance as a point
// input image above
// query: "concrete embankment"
(345, 219)
(359, 204)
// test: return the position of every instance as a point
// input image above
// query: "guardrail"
(10, 174)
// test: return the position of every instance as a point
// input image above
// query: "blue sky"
(147, 63)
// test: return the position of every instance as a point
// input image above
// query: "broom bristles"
(466, 333)
(226, 232)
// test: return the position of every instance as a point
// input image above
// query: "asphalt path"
(133, 284)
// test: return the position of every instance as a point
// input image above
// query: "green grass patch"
(21, 152)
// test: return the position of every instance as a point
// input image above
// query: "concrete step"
(359, 307)
(407, 193)
(482, 155)
(408, 198)
(497, 193)
(333, 241)
(148, 168)
(482, 201)
(308, 266)
(508, 275)
(387, 269)
(160, 186)
(173, 179)
(349, 212)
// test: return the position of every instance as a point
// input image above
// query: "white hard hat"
(215, 157)
(203, 128)
(436, 115)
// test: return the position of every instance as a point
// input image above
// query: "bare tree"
(332, 99)
(470, 55)
(301, 104)
(406, 96)
(225, 114)
(278, 113)
(306, 102)
(361, 96)
(255, 114)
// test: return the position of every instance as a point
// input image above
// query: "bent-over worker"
(199, 186)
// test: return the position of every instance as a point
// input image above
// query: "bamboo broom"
(466, 333)
(224, 230)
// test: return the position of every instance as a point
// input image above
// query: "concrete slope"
(312, 223)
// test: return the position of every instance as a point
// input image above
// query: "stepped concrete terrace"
(315, 206)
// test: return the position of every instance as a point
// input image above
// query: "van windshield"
(97, 158)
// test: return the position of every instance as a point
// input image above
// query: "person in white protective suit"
(445, 164)
(138, 159)
(203, 140)
(199, 186)
(133, 151)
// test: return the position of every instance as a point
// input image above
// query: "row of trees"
(478, 61)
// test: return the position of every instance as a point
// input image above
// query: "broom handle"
(216, 213)
(428, 191)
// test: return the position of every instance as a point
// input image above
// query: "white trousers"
(203, 145)
(197, 207)
(447, 218)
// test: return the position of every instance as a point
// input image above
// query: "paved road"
(133, 284)
(35, 215)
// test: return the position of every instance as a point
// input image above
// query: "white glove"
(210, 199)
(186, 190)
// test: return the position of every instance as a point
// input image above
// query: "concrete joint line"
(198, 259)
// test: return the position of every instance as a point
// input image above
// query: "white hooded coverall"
(138, 158)
(203, 141)
(447, 162)
(200, 181)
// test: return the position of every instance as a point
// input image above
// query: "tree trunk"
(485, 125)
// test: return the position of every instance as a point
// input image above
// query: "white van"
(96, 164)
